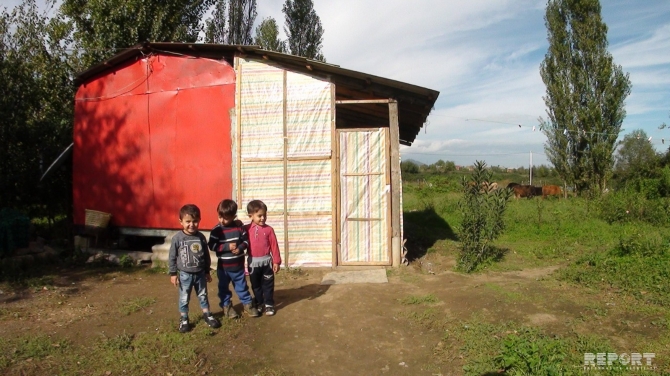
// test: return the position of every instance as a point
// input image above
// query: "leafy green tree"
(267, 36)
(241, 17)
(636, 157)
(215, 27)
(483, 218)
(36, 109)
(439, 166)
(449, 166)
(303, 28)
(585, 93)
(409, 167)
(103, 27)
(542, 171)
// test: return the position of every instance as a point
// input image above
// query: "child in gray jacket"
(189, 263)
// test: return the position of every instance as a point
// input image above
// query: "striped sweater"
(219, 241)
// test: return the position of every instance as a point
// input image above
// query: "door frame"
(387, 181)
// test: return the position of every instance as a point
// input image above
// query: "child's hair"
(189, 209)
(227, 208)
(256, 205)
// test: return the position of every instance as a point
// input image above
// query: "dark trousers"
(239, 284)
(263, 283)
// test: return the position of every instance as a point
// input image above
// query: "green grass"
(158, 352)
(505, 292)
(518, 349)
(424, 299)
(628, 261)
(133, 305)
(638, 266)
(538, 232)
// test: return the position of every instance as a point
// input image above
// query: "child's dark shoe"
(184, 326)
(211, 320)
(229, 312)
(269, 310)
(251, 310)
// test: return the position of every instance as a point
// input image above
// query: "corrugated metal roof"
(414, 102)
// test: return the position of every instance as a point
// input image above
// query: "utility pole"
(530, 170)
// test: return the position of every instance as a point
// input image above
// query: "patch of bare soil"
(318, 329)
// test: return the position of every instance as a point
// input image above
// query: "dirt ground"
(349, 329)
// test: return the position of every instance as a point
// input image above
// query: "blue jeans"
(187, 282)
(239, 284)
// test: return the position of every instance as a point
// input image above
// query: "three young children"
(189, 261)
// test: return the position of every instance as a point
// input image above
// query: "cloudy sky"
(483, 56)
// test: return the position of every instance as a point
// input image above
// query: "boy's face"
(190, 224)
(258, 217)
(227, 220)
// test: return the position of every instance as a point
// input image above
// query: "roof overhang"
(414, 102)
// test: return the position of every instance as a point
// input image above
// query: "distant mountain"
(414, 161)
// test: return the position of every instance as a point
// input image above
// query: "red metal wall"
(152, 136)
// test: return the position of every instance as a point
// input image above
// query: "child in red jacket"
(264, 259)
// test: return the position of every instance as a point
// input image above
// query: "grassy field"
(591, 257)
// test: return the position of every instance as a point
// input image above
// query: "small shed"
(164, 124)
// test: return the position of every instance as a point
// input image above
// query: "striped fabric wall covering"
(365, 242)
(309, 187)
(263, 181)
(262, 92)
(364, 198)
(308, 182)
(308, 116)
(310, 240)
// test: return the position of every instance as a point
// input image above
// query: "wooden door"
(364, 193)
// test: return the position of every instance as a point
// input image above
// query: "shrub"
(482, 211)
(628, 205)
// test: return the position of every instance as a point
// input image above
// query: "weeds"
(425, 299)
(158, 267)
(134, 305)
(639, 265)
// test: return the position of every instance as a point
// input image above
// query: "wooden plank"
(309, 213)
(389, 214)
(285, 133)
(364, 174)
(238, 126)
(358, 101)
(363, 219)
(290, 159)
(367, 263)
(395, 181)
(335, 179)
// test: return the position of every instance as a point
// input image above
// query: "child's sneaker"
(251, 310)
(211, 320)
(269, 310)
(184, 325)
(229, 312)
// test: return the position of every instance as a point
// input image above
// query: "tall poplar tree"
(585, 93)
(241, 17)
(303, 29)
(215, 27)
(267, 36)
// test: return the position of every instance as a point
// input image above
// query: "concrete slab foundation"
(359, 276)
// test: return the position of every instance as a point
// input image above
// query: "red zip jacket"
(263, 242)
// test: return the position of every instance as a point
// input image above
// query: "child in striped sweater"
(229, 241)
